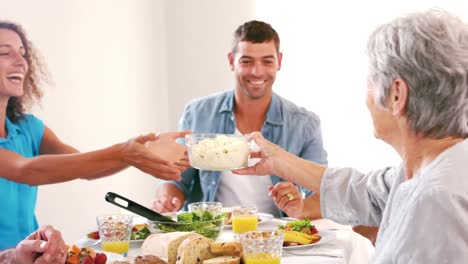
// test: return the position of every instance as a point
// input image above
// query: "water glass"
(244, 218)
(115, 231)
(262, 246)
(215, 208)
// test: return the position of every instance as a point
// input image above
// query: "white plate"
(326, 235)
(112, 256)
(264, 218)
(88, 242)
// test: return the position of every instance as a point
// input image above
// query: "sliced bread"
(164, 245)
(194, 250)
(149, 259)
(227, 248)
(223, 260)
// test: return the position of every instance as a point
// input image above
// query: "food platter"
(326, 236)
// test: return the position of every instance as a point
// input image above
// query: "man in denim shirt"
(251, 106)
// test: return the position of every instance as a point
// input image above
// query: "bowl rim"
(213, 135)
(174, 215)
(181, 223)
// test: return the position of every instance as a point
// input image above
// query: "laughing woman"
(31, 154)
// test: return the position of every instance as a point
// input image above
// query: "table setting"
(209, 233)
(338, 244)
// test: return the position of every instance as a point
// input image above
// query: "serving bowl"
(208, 228)
(216, 208)
(217, 152)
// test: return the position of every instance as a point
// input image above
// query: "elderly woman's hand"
(270, 154)
(288, 198)
(43, 246)
(159, 155)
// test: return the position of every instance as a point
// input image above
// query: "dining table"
(341, 244)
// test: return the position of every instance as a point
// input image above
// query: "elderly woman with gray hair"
(418, 100)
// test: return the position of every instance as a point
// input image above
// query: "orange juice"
(244, 223)
(119, 247)
(261, 258)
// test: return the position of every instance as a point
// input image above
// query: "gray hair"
(429, 51)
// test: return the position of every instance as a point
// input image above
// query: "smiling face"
(13, 65)
(255, 66)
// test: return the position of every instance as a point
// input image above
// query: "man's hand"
(168, 199)
(43, 246)
(288, 198)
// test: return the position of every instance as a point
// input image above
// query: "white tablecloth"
(347, 246)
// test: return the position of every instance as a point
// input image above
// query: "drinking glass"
(244, 218)
(115, 231)
(215, 208)
(262, 247)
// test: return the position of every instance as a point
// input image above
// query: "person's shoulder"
(30, 120)
(291, 109)
(211, 101)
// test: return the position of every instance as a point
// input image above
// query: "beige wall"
(200, 35)
(120, 68)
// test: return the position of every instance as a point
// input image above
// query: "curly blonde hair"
(37, 73)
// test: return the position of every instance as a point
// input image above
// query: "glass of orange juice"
(115, 231)
(244, 218)
(262, 247)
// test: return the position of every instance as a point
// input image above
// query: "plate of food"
(302, 234)
(76, 255)
(139, 233)
(262, 218)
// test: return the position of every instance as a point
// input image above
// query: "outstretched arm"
(277, 161)
(63, 163)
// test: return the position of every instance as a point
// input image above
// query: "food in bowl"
(217, 152)
(201, 222)
(216, 208)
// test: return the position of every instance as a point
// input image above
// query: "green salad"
(139, 232)
(202, 222)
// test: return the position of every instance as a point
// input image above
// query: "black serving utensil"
(136, 208)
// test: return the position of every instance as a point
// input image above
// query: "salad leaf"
(202, 222)
(297, 225)
(185, 217)
(140, 234)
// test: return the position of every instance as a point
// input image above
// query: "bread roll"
(194, 250)
(227, 248)
(165, 245)
(149, 259)
(223, 260)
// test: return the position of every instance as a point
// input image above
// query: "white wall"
(200, 35)
(324, 67)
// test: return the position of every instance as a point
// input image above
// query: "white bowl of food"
(217, 152)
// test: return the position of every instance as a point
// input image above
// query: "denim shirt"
(291, 127)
